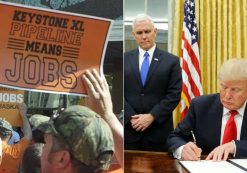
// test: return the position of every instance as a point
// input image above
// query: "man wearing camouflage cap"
(76, 141)
(12, 154)
(35, 120)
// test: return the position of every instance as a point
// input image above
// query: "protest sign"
(48, 51)
(9, 98)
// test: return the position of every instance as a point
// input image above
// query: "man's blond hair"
(233, 69)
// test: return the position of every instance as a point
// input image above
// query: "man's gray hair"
(233, 69)
(142, 17)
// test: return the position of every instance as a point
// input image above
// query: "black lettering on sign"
(39, 19)
(44, 48)
(50, 72)
(68, 79)
(19, 16)
(32, 70)
(13, 75)
(77, 25)
(22, 30)
(46, 34)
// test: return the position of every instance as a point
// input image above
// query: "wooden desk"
(115, 168)
(150, 162)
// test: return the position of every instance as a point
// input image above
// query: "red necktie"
(230, 132)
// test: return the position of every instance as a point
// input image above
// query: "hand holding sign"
(22, 109)
(26, 126)
(99, 97)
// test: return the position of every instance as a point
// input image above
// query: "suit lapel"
(216, 119)
(243, 134)
(154, 63)
(135, 66)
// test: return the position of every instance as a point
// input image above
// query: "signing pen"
(193, 136)
(194, 141)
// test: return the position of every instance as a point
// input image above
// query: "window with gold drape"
(222, 26)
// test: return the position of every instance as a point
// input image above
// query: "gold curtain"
(222, 26)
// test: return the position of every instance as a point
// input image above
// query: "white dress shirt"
(238, 120)
(141, 55)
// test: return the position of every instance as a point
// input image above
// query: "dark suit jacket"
(205, 118)
(159, 96)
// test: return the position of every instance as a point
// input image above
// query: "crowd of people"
(76, 139)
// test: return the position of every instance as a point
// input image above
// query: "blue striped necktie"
(144, 68)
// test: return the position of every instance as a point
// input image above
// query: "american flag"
(190, 60)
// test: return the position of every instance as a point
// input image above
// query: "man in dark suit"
(217, 122)
(150, 98)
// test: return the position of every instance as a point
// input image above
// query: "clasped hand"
(141, 122)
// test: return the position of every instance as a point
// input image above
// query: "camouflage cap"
(88, 136)
(5, 125)
(36, 119)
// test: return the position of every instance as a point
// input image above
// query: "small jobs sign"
(9, 98)
(46, 50)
